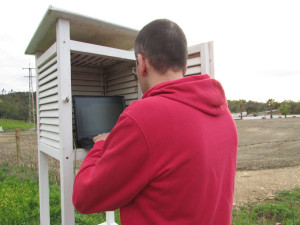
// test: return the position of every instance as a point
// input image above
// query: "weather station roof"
(83, 29)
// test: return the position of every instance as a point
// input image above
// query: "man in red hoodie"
(171, 158)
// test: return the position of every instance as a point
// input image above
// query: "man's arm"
(114, 171)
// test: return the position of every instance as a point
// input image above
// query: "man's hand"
(100, 137)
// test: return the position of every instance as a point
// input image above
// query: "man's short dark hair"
(163, 43)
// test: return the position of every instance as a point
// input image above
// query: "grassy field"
(8, 124)
(19, 203)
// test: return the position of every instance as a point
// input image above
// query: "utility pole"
(31, 100)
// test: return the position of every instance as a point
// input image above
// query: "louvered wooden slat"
(92, 93)
(121, 80)
(48, 65)
(48, 71)
(49, 92)
(87, 77)
(51, 135)
(83, 70)
(49, 114)
(49, 85)
(133, 83)
(46, 56)
(51, 128)
(49, 106)
(120, 67)
(50, 121)
(53, 98)
(47, 141)
(87, 83)
(193, 70)
(123, 91)
(193, 62)
(78, 58)
(131, 96)
(87, 88)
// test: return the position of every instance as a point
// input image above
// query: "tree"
(232, 106)
(252, 107)
(241, 103)
(270, 103)
(14, 106)
(285, 109)
(297, 109)
(294, 106)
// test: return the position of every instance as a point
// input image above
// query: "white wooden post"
(206, 57)
(43, 165)
(110, 218)
(44, 188)
(211, 58)
(65, 119)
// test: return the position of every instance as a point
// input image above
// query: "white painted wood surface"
(110, 219)
(46, 56)
(65, 119)
(200, 59)
(49, 92)
(79, 154)
(51, 98)
(48, 64)
(207, 63)
(49, 72)
(77, 46)
(44, 189)
(120, 80)
(51, 151)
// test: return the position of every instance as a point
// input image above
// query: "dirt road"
(268, 158)
(267, 144)
(253, 186)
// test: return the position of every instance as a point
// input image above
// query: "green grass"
(284, 209)
(19, 203)
(8, 124)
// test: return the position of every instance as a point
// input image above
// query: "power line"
(31, 100)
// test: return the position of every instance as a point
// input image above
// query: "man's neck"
(157, 78)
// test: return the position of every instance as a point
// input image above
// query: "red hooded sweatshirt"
(170, 159)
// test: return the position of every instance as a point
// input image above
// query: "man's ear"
(142, 65)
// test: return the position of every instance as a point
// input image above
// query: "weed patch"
(284, 209)
(19, 202)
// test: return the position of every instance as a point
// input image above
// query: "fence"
(20, 147)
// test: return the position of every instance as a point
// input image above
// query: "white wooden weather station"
(79, 55)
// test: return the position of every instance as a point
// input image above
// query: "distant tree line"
(253, 107)
(15, 106)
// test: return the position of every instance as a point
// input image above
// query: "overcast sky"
(256, 43)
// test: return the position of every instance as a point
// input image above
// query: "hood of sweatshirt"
(200, 92)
